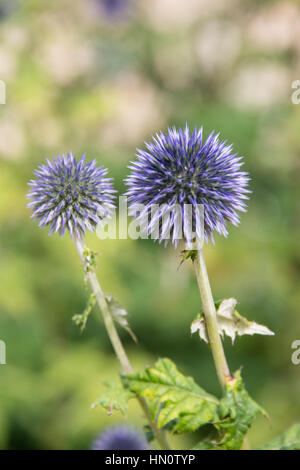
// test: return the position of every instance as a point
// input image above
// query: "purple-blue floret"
(120, 438)
(67, 195)
(182, 168)
(114, 8)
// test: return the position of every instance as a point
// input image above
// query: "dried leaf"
(120, 315)
(230, 322)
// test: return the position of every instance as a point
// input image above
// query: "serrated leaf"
(230, 323)
(289, 440)
(237, 412)
(173, 397)
(206, 445)
(120, 315)
(115, 397)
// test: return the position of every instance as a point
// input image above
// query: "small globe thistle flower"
(6, 9)
(183, 170)
(120, 438)
(70, 195)
(114, 9)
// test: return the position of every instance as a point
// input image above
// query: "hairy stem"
(210, 316)
(115, 339)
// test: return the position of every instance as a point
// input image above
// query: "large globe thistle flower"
(182, 169)
(120, 438)
(70, 195)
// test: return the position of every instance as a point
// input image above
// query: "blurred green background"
(99, 77)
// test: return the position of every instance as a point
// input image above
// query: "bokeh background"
(100, 76)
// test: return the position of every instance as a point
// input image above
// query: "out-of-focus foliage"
(289, 440)
(83, 79)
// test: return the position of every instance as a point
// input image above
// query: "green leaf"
(289, 440)
(81, 319)
(206, 445)
(186, 254)
(237, 412)
(115, 397)
(173, 398)
(230, 322)
(120, 315)
(149, 433)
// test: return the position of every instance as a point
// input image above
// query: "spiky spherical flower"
(183, 170)
(70, 195)
(120, 438)
(114, 9)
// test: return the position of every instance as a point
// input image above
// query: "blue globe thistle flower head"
(114, 9)
(185, 171)
(6, 8)
(71, 196)
(120, 438)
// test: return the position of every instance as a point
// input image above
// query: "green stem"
(115, 339)
(210, 316)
